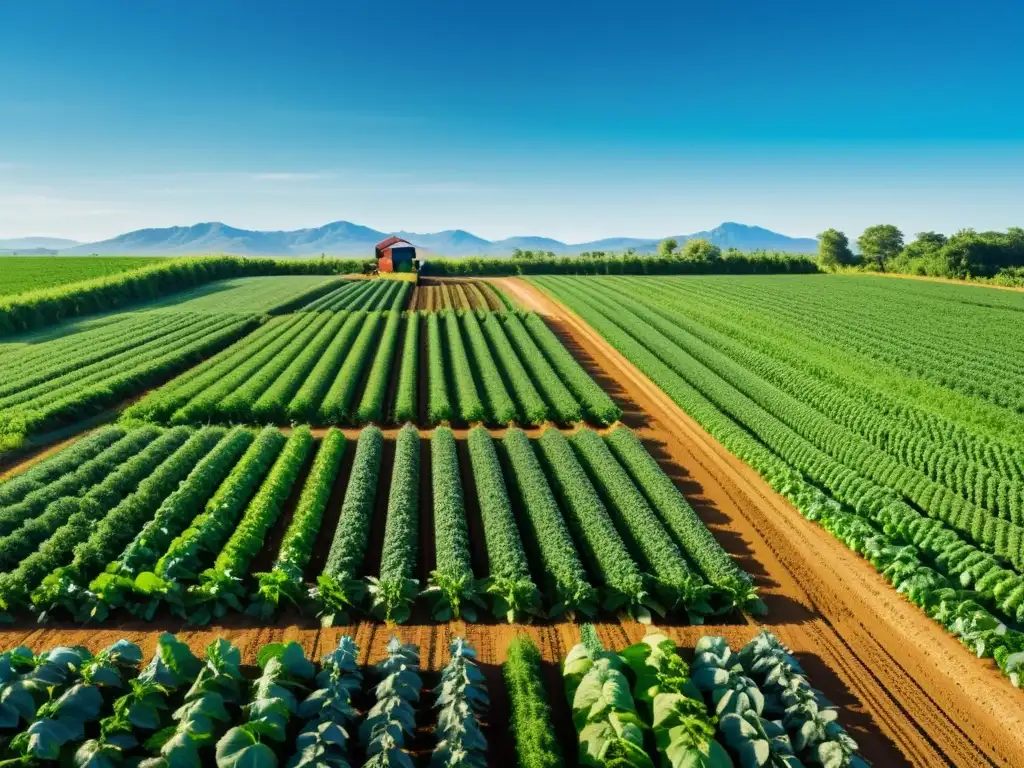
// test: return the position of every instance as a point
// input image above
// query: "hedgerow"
(37, 308)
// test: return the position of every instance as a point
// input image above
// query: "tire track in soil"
(925, 693)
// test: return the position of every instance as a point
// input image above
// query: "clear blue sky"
(573, 120)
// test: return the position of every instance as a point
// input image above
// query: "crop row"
(54, 382)
(177, 518)
(337, 367)
(752, 708)
(67, 706)
(467, 294)
(985, 528)
(369, 295)
(969, 591)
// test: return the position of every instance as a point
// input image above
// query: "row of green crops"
(52, 383)
(336, 365)
(953, 559)
(175, 519)
(46, 306)
(370, 295)
(751, 709)
(67, 706)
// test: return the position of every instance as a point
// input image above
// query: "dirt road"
(923, 689)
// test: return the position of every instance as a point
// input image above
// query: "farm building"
(395, 255)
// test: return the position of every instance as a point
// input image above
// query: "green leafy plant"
(512, 590)
(222, 587)
(284, 581)
(532, 724)
(608, 726)
(340, 587)
(205, 712)
(327, 712)
(569, 589)
(461, 700)
(453, 589)
(392, 718)
(394, 590)
(272, 705)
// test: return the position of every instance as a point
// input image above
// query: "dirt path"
(922, 688)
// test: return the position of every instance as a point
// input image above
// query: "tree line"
(697, 257)
(965, 255)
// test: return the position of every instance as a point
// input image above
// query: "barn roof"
(388, 242)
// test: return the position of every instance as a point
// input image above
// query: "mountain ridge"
(344, 238)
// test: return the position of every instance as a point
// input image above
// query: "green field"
(19, 274)
(890, 412)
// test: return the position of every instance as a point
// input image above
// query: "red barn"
(395, 255)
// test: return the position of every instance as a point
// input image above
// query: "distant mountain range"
(342, 238)
(28, 246)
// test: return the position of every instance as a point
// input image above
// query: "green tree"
(879, 244)
(701, 250)
(834, 249)
(668, 246)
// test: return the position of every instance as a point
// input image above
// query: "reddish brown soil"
(923, 691)
(434, 293)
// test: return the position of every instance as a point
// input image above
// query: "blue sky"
(572, 120)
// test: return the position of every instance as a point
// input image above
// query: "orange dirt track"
(907, 692)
